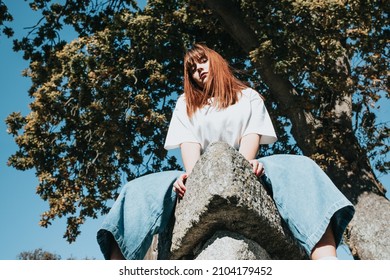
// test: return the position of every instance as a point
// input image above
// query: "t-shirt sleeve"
(179, 130)
(259, 121)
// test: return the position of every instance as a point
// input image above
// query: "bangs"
(221, 84)
(194, 56)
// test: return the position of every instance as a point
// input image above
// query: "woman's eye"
(203, 59)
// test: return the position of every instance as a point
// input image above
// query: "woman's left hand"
(258, 167)
(179, 185)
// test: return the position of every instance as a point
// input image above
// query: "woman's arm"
(249, 147)
(190, 153)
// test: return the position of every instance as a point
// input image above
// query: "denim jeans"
(306, 198)
(142, 209)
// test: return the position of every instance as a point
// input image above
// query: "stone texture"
(225, 245)
(152, 253)
(224, 194)
(369, 230)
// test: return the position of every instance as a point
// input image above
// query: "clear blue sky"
(21, 207)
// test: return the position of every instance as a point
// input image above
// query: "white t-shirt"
(229, 125)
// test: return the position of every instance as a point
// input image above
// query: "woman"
(216, 106)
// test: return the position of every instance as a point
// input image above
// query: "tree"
(38, 254)
(4, 17)
(102, 102)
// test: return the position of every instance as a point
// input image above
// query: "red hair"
(221, 84)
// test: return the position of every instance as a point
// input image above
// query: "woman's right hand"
(257, 167)
(179, 185)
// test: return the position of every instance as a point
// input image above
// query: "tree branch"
(284, 92)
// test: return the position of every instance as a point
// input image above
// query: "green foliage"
(38, 254)
(100, 109)
(102, 102)
(4, 17)
(330, 50)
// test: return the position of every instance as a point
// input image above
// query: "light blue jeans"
(306, 198)
(142, 209)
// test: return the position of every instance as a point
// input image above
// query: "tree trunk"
(349, 168)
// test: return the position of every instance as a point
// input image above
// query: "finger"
(181, 193)
(181, 180)
(255, 166)
(258, 171)
(176, 186)
(180, 187)
(183, 177)
(180, 183)
(262, 170)
(183, 189)
(178, 191)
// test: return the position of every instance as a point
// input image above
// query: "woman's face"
(200, 71)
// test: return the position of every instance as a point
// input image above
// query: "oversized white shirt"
(229, 125)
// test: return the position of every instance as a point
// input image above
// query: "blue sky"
(21, 207)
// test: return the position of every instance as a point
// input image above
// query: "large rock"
(369, 230)
(226, 245)
(223, 194)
